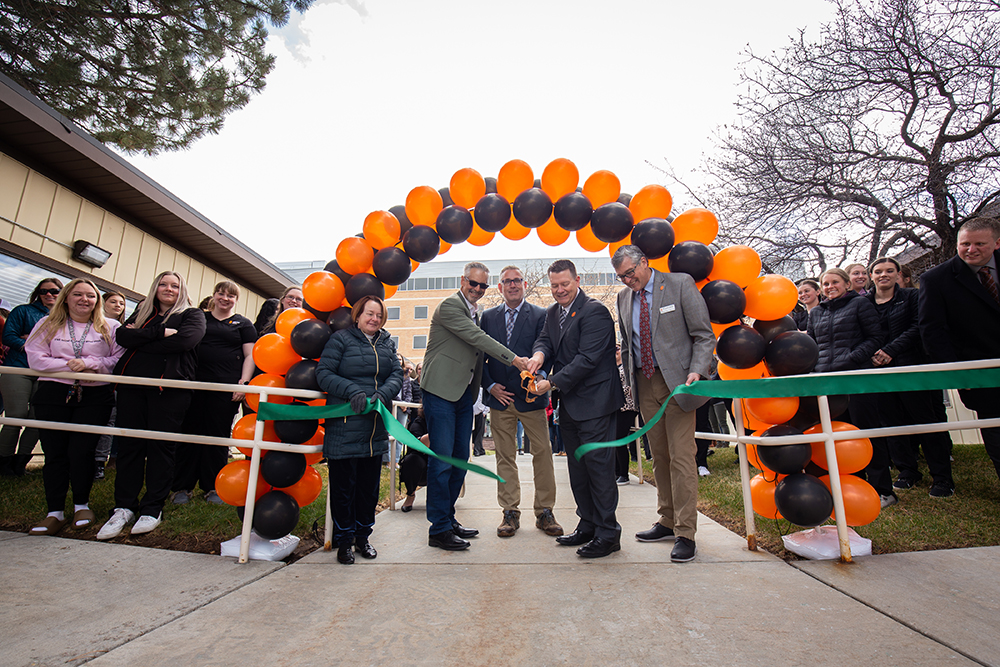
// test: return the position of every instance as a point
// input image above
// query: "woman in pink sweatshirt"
(75, 337)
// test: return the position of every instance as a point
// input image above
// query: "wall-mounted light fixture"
(90, 254)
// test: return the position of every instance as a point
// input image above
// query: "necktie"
(562, 318)
(510, 323)
(989, 283)
(645, 337)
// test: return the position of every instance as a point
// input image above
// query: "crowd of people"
(592, 380)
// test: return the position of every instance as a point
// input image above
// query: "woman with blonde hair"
(114, 306)
(160, 340)
(74, 337)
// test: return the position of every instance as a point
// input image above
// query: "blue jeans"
(449, 425)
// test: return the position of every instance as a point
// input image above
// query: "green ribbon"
(272, 411)
(818, 385)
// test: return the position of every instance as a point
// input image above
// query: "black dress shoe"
(657, 533)
(365, 548)
(462, 531)
(574, 539)
(684, 550)
(599, 548)
(345, 555)
(448, 541)
(406, 508)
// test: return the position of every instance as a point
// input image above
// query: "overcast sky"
(371, 99)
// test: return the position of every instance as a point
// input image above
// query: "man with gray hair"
(667, 340)
(452, 375)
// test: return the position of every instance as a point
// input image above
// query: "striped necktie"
(989, 283)
(511, 313)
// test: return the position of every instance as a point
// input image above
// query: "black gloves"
(359, 402)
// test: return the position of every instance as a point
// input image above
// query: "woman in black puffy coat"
(358, 364)
(847, 330)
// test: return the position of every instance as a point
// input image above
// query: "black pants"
(624, 421)
(413, 471)
(916, 407)
(864, 412)
(478, 429)
(69, 456)
(986, 403)
(142, 460)
(592, 478)
(211, 413)
(354, 487)
(702, 423)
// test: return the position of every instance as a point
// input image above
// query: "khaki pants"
(671, 441)
(504, 425)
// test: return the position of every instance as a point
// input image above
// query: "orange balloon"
(552, 234)
(613, 246)
(480, 236)
(423, 205)
(559, 178)
(752, 373)
(661, 264)
(515, 231)
(322, 290)
(737, 263)
(244, 429)
(381, 229)
(514, 178)
(696, 224)
(266, 380)
(289, 317)
(852, 455)
(717, 329)
(754, 459)
(233, 481)
(354, 256)
(762, 496)
(751, 422)
(274, 354)
(390, 290)
(314, 458)
(307, 489)
(585, 237)
(413, 265)
(773, 410)
(652, 201)
(317, 439)
(467, 187)
(602, 187)
(445, 247)
(862, 504)
(770, 297)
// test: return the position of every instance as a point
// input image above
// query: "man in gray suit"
(667, 340)
(452, 374)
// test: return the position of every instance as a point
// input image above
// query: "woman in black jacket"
(897, 310)
(847, 330)
(358, 364)
(160, 340)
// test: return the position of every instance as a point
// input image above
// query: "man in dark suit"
(676, 349)
(451, 377)
(517, 324)
(577, 346)
(959, 317)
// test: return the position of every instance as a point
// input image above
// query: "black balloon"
(302, 375)
(340, 319)
(421, 243)
(446, 197)
(807, 415)
(692, 258)
(769, 329)
(802, 499)
(491, 184)
(275, 514)
(724, 298)
(365, 284)
(654, 237)
(533, 208)
(537, 183)
(404, 222)
(573, 211)
(284, 468)
(784, 459)
(454, 224)
(392, 266)
(309, 338)
(295, 432)
(492, 212)
(791, 353)
(624, 198)
(320, 314)
(740, 347)
(611, 222)
(335, 269)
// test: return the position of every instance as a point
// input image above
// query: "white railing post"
(251, 500)
(741, 449)
(833, 467)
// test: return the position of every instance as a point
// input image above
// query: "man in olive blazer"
(452, 374)
(682, 344)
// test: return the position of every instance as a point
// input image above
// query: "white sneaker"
(703, 471)
(116, 524)
(146, 523)
(888, 501)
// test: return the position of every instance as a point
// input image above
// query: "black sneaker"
(657, 533)
(941, 490)
(904, 482)
(684, 550)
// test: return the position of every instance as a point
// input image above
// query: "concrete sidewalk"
(517, 601)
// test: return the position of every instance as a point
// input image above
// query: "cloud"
(296, 37)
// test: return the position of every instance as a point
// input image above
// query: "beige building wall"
(50, 218)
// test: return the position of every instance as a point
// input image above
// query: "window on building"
(420, 312)
(450, 283)
(420, 283)
(392, 312)
(420, 342)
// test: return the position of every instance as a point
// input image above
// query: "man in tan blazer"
(452, 375)
(676, 349)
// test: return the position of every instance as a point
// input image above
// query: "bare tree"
(880, 136)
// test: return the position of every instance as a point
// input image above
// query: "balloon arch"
(474, 209)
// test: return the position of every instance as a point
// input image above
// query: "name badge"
(668, 309)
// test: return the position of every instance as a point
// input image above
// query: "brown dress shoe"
(547, 521)
(511, 522)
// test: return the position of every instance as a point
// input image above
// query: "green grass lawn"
(917, 522)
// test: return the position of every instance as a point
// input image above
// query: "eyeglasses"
(293, 299)
(628, 275)
(512, 281)
(52, 290)
(473, 283)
